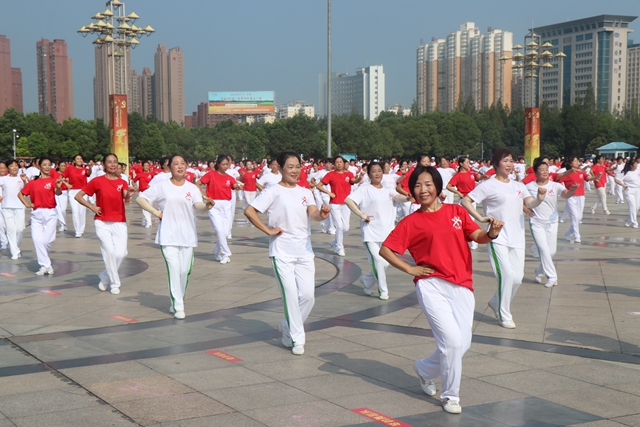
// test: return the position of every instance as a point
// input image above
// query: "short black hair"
(537, 162)
(498, 155)
(419, 170)
(282, 158)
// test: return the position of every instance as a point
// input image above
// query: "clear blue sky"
(276, 44)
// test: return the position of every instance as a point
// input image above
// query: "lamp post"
(481, 144)
(14, 143)
(328, 78)
(536, 56)
(117, 32)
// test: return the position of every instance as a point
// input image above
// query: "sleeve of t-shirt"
(264, 199)
(559, 188)
(262, 180)
(151, 194)
(310, 201)
(326, 180)
(126, 185)
(206, 178)
(358, 195)
(398, 239)
(197, 195)
(468, 225)
(479, 193)
(26, 190)
(89, 188)
(454, 180)
(350, 175)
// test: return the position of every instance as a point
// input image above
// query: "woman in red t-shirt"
(575, 203)
(143, 178)
(219, 186)
(111, 223)
(340, 181)
(249, 178)
(42, 192)
(76, 174)
(63, 199)
(436, 236)
(464, 182)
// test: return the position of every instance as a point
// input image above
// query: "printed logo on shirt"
(551, 192)
(390, 196)
(119, 187)
(304, 200)
(47, 186)
(346, 179)
(83, 173)
(457, 222)
(519, 193)
(228, 183)
(188, 196)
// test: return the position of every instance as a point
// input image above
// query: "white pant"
(587, 186)
(249, 196)
(14, 221)
(406, 208)
(43, 233)
(240, 194)
(378, 268)
(508, 266)
(61, 207)
(545, 237)
(612, 184)
(327, 224)
(78, 213)
(221, 220)
(619, 194)
(146, 218)
(113, 245)
(602, 199)
(575, 206)
(296, 278)
(340, 215)
(449, 310)
(179, 260)
(633, 201)
(232, 210)
(3, 231)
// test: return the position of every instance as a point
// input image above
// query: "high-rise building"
(10, 79)
(102, 86)
(464, 65)
(168, 84)
(55, 79)
(363, 92)
(596, 55)
(294, 108)
(633, 76)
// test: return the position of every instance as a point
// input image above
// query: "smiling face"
(291, 170)
(542, 173)
(111, 164)
(178, 167)
(425, 191)
(505, 167)
(375, 174)
(45, 167)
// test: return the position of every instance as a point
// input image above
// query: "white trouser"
(587, 186)
(146, 218)
(43, 233)
(406, 208)
(508, 266)
(240, 194)
(14, 221)
(249, 196)
(449, 310)
(619, 194)
(61, 207)
(179, 260)
(232, 210)
(340, 215)
(545, 237)
(612, 184)
(296, 278)
(78, 212)
(220, 217)
(414, 207)
(113, 245)
(602, 199)
(633, 201)
(575, 206)
(327, 224)
(448, 196)
(378, 268)
(473, 245)
(3, 231)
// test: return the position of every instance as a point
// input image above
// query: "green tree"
(69, 149)
(38, 144)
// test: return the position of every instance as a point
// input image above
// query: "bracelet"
(492, 238)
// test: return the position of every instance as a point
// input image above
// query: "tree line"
(577, 129)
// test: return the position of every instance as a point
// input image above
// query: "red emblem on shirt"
(187, 196)
(119, 187)
(304, 200)
(551, 192)
(519, 192)
(390, 196)
(47, 186)
(457, 222)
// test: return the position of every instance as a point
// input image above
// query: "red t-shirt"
(490, 172)
(575, 177)
(55, 175)
(340, 185)
(249, 180)
(602, 182)
(77, 176)
(405, 181)
(302, 182)
(438, 239)
(529, 178)
(143, 179)
(465, 182)
(218, 185)
(108, 197)
(42, 192)
(190, 176)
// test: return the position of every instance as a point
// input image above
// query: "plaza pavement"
(71, 355)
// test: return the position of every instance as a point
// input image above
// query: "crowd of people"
(425, 206)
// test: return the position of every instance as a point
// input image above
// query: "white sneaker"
(341, 252)
(607, 213)
(473, 246)
(538, 278)
(3, 247)
(102, 286)
(179, 314)
(627, 224)
(508, 324)
(428, 386)
(569, 237)
(534, 251)
(384, 297)
(229, 237)
(217, 257)
(298, 350)
(115, 291)
(451, 406)
(78, 235)
(171, 310)
(225, 260)
(42, 271)
(635, 226)
(16, 256)
(286, 339)
(550, 284)
(61, 228)
(147, 226)
(577, 240)
(593, 211)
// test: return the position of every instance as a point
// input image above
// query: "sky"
(279, 45)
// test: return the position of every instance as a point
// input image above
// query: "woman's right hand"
(486, 219)
(96, 210)
(421, 270)
(275, 231)
(332, 195)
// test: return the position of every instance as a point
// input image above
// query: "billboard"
(242, 102)
(531, 134)
(119, 127)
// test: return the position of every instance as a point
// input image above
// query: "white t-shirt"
(553, 169)
(377, 204)
(287, 208)
(32, 172)
(354, 170)
(178, 225)
(446, 175)
(632, 179)
(618, 171)
(269, 179)
(504, 201)
(233, 172)
(161, 177)
(547, 211)
(390, 180)
(10, 186)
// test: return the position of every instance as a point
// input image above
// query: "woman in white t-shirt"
(503, 199)
(289, 209)
(177, 200)
(631, 183)
(373, 203)
(544, 224)
(12, 207)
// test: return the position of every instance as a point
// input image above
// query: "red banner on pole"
(531, 134)
(119, 127)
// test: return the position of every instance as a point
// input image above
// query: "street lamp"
(328, 78)
(14, 142)
(481, 144)
(536, 56)
(117, 32)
